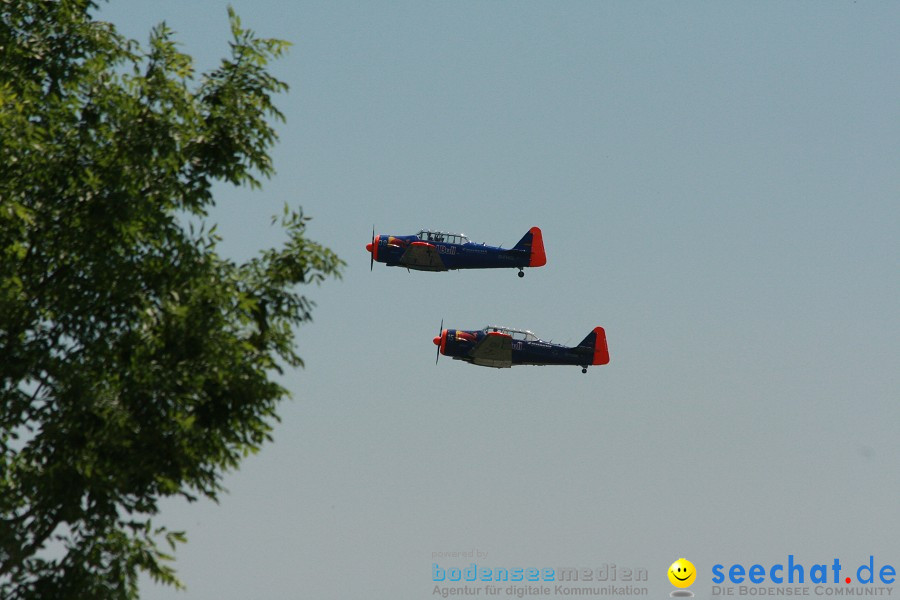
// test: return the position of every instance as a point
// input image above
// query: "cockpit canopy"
(516, 334)
(441, 236)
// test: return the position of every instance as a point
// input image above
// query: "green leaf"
(137, 363)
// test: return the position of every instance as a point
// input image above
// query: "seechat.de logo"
(682, 574)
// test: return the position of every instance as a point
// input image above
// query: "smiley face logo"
(682, 573)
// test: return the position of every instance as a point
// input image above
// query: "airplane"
(440, 251)
(502, 347)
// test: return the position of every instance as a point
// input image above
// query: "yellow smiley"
(682, 573)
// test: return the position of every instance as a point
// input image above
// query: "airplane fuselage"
(439, 251)
(470, 255)
(501, 347)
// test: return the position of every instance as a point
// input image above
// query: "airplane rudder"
(538, 256)
(601, 349)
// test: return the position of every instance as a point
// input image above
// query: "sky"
(717, 184)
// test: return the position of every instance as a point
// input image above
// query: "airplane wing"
(423, 256)
(494, 350)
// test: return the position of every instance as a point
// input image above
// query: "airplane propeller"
(440, 333)
(372, 253)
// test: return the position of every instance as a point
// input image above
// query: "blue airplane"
(440, 251)
(502, 347)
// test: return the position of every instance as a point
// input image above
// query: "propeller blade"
(440, 333)
(372, 255)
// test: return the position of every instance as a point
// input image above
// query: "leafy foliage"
(135, 362)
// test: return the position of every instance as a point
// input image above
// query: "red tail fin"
(596, 339)
(533, 243)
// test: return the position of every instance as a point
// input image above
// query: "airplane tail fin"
(533, 243)
(596, 340)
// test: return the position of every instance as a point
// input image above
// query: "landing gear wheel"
(521, 273)
(584, 369)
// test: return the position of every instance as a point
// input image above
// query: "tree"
(136, 363)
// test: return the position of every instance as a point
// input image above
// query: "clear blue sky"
(718, 187)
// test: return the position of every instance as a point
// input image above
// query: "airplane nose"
(441, 341)
(372, 247)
